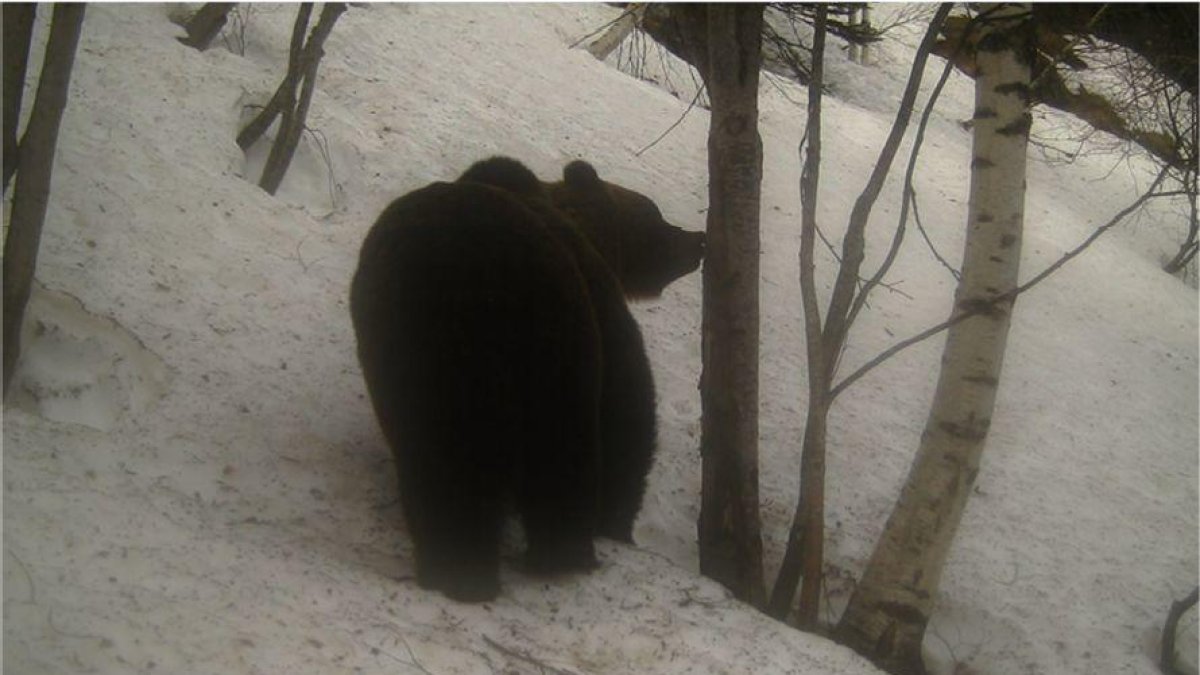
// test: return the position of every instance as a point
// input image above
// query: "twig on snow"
(322, 143)
(527, 658)
(412, 661)
(29, 577)
(78, 636)
(413, 657)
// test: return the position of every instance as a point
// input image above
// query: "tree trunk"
(1191, 244)
(1166, 658)
(864, 54)
(855, 20)
(804, 556)
(284, 97)
(1162, 33)
(806, 538)
(292, 124)
(889, 611)
(604, 45)
(18, 34)
(31, 193)
(729, 527)
(206, 24)
(1189, 247)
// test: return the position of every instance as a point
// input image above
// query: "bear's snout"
(688, 248)
(695, 245)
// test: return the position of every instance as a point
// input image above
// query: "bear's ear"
(580, 174)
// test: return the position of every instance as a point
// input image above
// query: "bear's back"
(460, 287)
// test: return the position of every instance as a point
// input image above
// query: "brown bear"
(505, 367)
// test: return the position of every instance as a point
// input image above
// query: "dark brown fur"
(504, 365)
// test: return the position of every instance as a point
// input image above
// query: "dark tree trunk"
(18, 33)
(1164, 33)
(1189, 247)
(206, 24)
(1189, 138)
(729, 528)
(804, 556)
(1166, 660)
(31, 192)
(292, 124)
(608, 41)
(285, 95)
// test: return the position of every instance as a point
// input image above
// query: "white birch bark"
(608, 41)
(888, 613)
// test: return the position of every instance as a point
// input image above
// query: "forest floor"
(194, 481)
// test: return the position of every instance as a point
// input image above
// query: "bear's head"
(644, 251)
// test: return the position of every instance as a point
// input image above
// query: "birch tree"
(826, 338)
(889, 611)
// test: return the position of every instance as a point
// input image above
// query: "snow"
(194, 481)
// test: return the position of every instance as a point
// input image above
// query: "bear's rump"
(474, 328)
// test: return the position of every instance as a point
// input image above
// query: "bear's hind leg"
(559, 529)
(456, 534)
(557, 500)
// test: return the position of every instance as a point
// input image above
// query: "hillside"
(194, 481)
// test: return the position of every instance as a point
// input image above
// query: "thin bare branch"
(628, 11)
(671, 128)
(1067, 48)
(829, 245)
(854, 243)
(801, 538)
(962, 314)
(932, 249)
(1148, 195)
(527, 658)
(292, 124)
(285, 94)
(909, 173)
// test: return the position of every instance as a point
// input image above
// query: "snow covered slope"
(194, 482)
